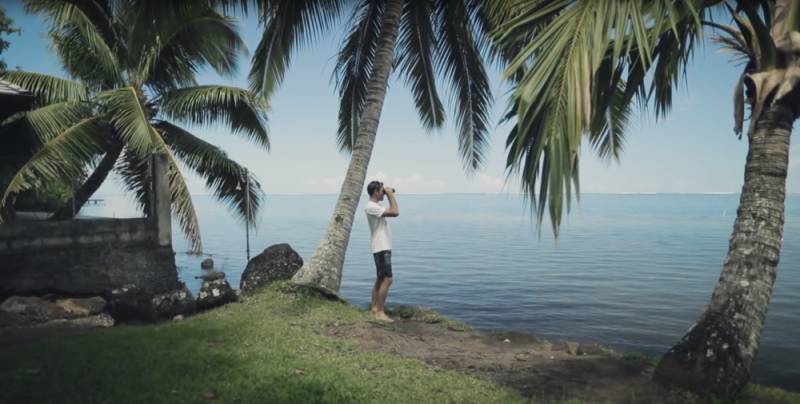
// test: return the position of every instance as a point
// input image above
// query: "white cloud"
(410, 184)
(489, 184)
(321, 185)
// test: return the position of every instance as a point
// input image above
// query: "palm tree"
(133, 64)
(425, 40)
(577, 66)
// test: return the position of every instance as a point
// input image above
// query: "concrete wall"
(92, 256)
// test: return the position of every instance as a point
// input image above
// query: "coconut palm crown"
(579, 66)
(132, 65)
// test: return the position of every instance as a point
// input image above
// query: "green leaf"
(51, 120)
(243, 111)
(353, 68)
(63, 157)
(46, 89)
(129, 119)
(578, 76)
(460, 62)
(287, 24)
(416, 44)
(184, 39)
(223, 176)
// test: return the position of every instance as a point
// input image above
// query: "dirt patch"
(536, 368)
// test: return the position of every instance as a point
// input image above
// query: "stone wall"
(92, 256)
(84, 257)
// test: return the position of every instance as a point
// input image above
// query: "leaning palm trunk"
(324, 270)
(716, 354)
(92, 184)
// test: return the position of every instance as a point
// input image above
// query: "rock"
(215, 293)
(590, 349)
(131, 303)
(211, 276)
(178, 317)
(95, 321)
(207, 263)
(566, 346)
(30, 310)
(82, 307)
(522, 357)
(277, 262)
(177, 302)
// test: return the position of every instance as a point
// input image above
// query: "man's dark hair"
(373, 186)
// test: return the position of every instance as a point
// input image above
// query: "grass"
(268, 348)
(425, 315)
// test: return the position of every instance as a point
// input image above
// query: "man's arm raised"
(393, 210)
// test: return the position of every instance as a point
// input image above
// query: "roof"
(7, 88)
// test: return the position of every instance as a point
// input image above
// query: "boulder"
(131, 303)
(207, 263)
(176, 302)
(277, 262)
(31, 310)
(215, 293)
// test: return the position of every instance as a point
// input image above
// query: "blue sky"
(692, 150)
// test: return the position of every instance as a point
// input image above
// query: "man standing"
(381, 244)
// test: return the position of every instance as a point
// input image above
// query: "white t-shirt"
(381, 236)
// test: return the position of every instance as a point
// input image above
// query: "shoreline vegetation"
(282, 345)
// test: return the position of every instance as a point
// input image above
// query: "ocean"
(628, 271)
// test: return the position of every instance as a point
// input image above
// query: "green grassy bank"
(269, 348)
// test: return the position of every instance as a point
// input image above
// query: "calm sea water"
(629, 271)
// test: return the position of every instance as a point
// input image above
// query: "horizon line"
(489, 193)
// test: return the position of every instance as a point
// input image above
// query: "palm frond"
(136, 174)
(579, 75)
(47, 89)
(85, 56)
(129, 119)
(188, 37)
(224, 177)
(50, 120)
(243, 111)
(183, 207)
(287, 24)
(97, 13)
(460, 61)
(353, 67)
(136, 177)
(82, 37)
(416, 45)
(63, 157)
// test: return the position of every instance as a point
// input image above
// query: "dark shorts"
(383, 263)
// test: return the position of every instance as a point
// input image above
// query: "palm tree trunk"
(324, 270)
(716, 354)
(95, 180)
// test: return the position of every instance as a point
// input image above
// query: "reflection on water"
(630, 271)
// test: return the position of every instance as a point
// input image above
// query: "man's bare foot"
(383, 317)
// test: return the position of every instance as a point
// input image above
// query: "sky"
(692, 150)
